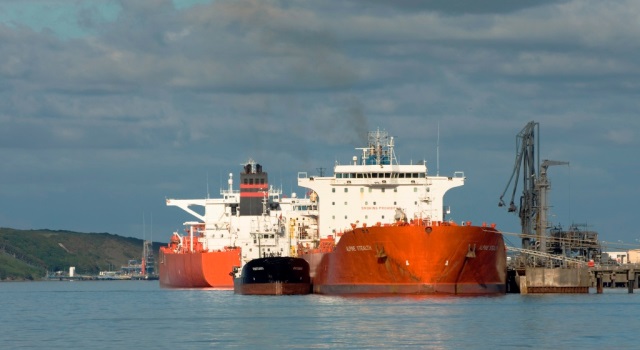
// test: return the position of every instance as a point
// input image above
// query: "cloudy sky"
(108, 107)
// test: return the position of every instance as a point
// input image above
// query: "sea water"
(141, 315)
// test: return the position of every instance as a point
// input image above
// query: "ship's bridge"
(379, 175)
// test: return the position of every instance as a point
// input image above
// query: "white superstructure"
(375, 189)
(273, 229)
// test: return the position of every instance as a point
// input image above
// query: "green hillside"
(31, 254)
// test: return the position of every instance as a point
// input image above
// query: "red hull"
(412, 259)
(275, 288)
(198, 269)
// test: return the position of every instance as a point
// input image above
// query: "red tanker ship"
(409, 248)
(239, 226)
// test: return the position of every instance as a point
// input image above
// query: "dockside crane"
(526, 164)
(536, 185)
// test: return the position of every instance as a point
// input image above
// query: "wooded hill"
(32, 254)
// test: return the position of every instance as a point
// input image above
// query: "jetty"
(552, 259)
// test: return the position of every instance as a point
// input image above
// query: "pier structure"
(551, 259)
(616, 276)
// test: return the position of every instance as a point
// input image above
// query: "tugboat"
(274, 276)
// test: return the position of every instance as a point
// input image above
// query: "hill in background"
(32, 254)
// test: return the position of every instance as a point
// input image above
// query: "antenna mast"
(438, 152)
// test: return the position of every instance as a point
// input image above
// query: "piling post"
(523, 285)
(631, 278)
(599, 282)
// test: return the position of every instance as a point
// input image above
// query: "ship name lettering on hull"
(354, 248)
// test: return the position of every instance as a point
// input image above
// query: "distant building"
(634, 256)
(617, 257)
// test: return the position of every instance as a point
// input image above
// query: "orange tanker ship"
(373, 227)
(184, 266)
(409, 248)
(234, 229)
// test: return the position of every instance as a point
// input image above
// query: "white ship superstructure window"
(333, 190)
(368, 175)
(346, 190)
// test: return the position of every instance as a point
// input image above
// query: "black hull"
(274, 276)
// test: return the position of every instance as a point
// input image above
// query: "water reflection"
(131, 314)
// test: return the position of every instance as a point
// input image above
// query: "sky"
(109, 107)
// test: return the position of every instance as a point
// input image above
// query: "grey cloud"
(147, 104)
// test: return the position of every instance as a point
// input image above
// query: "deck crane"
(533, 202)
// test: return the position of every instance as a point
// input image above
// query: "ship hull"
(413, 259)
(274, 288)
(198, 269)
(274, 276)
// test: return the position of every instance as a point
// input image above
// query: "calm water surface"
(141, 315)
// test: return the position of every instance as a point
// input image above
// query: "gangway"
(545, 255)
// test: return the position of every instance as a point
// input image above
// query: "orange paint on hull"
(408, 259)
(198, 269)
